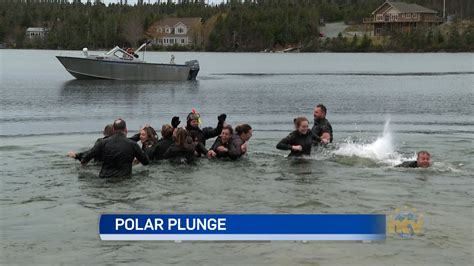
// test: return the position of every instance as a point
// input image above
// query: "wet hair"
(423, 152)
(167, 131)
(299, 120)
(228, 127)
(150, 134)
(323, 108)
(181, 137)
(243, 129)
(108, 130)
(119, 125)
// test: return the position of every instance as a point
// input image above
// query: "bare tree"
(133, 30)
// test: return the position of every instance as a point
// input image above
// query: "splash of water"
(381, 150)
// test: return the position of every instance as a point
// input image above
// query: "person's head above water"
(119, 125)
(167, 131)
(193, 119)
(148, 134)
(319, 112)
(244, 131)
(180, 137)
(301, 124)
(423, 159)
(108, 130)
(226, 134)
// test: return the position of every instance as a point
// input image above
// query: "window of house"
(409, 15)
(180, 30)
(379, 17)
(167, 30)
(182, 41)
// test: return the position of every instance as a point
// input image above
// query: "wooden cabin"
(401, 17)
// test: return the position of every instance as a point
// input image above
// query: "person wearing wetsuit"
(183, 148)
(192, 127)
(153, 147)
(147, 138)
(240, 139)
(108, 131)
(118, 153)
(322, 129)
(299, 142)
(423, 160)
(158, 150)
(223, 147)
(199, 147)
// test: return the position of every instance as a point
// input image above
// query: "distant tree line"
(452, 39)
(232, 26)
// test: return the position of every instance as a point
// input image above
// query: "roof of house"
(407, 8)
(174, 21)
(36, 29)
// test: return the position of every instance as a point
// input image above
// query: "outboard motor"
(193, 69)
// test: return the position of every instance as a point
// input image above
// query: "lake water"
(383, 108)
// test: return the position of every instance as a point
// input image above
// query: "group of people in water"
(117, 153)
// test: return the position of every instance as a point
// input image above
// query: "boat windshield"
(111, 51)
(122, 55)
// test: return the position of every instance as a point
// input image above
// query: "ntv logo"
(405, 223)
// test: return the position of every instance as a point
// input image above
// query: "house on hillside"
(176, 31)
(401, 17)
(36, 32)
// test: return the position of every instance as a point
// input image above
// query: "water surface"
(50, 205)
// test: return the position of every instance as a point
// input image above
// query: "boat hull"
(87, 68)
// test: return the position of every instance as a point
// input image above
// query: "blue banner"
(242, 227)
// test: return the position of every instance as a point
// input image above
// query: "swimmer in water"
(223, 147)
(183, 148)
(322, 129)
(299, 141)
(423, 160)
(117, 152)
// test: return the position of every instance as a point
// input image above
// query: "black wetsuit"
(237, 151)
(321, 126)
(230, 153)
(135, 137)
(205, 133)
(147, 147)
(409, 164)
(200, 149)
(295, 138)
(180, 154)
(80, 155)
(157, 151)
(118, 153)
